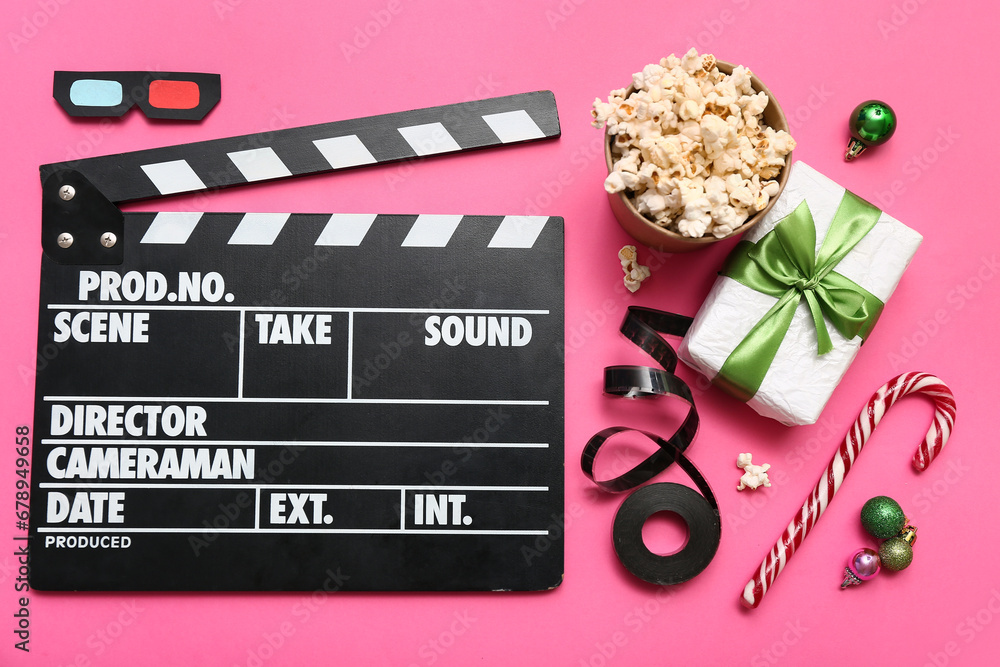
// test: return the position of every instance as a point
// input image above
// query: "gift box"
(797, 297)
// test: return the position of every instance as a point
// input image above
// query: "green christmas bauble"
(882, 517)
(872, 123)
(895, 554)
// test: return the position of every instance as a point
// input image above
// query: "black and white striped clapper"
(285, 401)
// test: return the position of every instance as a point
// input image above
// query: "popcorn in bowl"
(690, 146)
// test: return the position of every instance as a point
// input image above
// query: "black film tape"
(704, 533)
(643, 326)
(700, 512)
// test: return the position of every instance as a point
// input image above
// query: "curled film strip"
(700, 512)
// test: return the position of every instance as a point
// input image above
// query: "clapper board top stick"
(238, 401)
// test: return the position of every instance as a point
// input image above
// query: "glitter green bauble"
(895, 554)
(882, 517)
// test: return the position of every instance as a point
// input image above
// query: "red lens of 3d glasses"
(174, 94)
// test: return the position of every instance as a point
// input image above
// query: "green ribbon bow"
(782, 265)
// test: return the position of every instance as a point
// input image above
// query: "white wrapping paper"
(799, 381)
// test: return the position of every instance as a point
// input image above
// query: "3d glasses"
(165, 95)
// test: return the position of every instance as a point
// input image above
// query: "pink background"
(284, 64)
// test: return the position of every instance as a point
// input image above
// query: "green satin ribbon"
(782, 265)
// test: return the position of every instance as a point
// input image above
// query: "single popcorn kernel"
(753, 475)
(684, 129)
(635, 272)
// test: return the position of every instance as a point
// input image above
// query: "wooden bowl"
(646, 231)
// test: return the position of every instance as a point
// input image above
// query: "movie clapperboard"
(263, 401)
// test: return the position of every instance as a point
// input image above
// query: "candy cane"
(833, 477)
